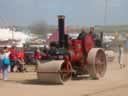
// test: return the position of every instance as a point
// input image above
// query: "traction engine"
(81, 57)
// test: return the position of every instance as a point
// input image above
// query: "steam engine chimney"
(61, 24)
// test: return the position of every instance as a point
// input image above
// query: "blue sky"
(77, 12)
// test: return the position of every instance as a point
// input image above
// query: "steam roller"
(73, 57)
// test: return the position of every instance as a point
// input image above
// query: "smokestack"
(61, 24)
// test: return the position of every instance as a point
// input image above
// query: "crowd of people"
(12, 60)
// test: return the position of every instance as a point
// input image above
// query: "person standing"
(21, 63)
(6, 63)
(1, 63)
(13, 57)
(37, 57)
(120, 56)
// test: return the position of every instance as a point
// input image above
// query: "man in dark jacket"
(82, 34)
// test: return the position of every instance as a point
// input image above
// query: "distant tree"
(39, 28)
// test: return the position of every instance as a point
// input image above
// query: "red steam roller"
(78, 57)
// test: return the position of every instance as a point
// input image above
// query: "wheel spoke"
(65, 71)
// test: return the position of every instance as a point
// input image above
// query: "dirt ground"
(115, 83)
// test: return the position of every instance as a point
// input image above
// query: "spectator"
(120, 56)
(6, 63)
(13, 57)
(37, 57)
(21, 62)
(1, 61)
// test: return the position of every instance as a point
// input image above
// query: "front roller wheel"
(97, 63)
(55, 72)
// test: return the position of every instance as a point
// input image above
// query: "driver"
(82, 34)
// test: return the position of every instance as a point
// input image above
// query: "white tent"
(6, 34)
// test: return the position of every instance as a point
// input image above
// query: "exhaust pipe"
(61, 24)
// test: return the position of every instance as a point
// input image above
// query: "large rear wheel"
(97, 63)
